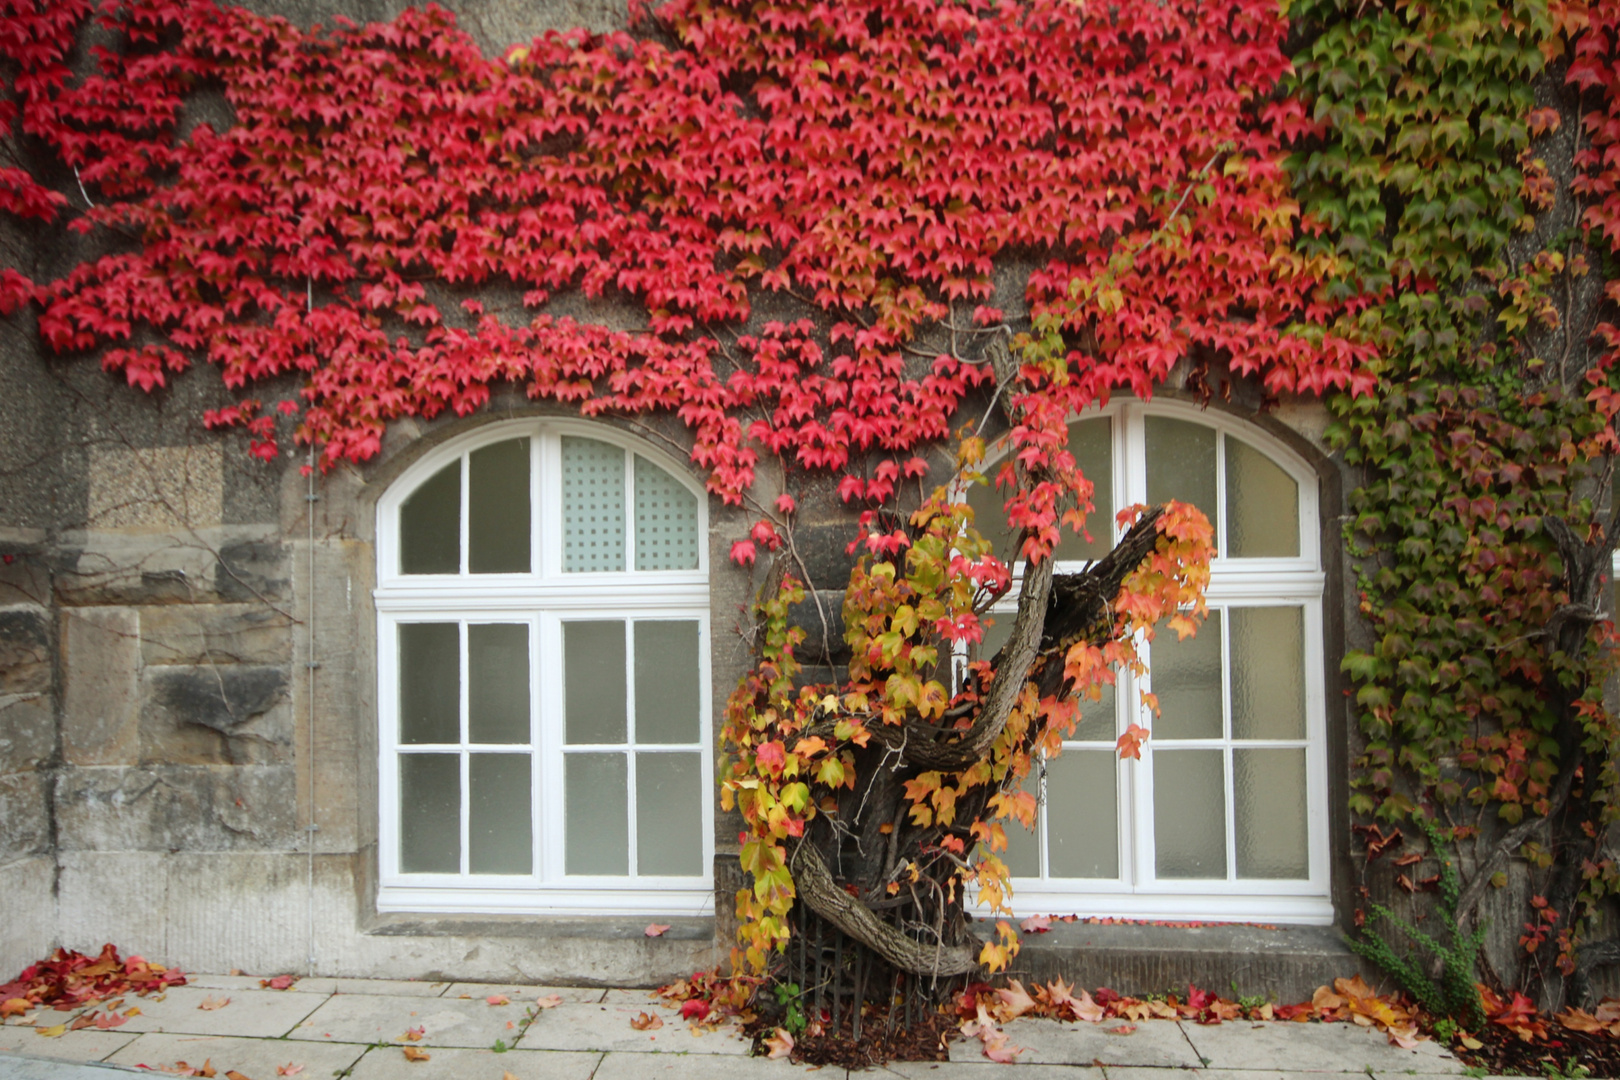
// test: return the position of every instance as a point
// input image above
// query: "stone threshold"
(1285, 964)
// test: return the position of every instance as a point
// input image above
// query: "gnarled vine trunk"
(918, 936)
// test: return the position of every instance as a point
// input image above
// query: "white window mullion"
(538, 544)
(630, 738)
(553, 763)
(463, 636)
(464, 525)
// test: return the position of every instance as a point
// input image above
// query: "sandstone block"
(253, 570)
(24, 825)
(100, 657)
(214, 714)
(25, 650)
(193, 808)
(215, 633)
(27, 731)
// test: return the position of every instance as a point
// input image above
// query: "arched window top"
(541, 500)
(1259, 495)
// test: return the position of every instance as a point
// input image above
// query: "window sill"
(539, 927)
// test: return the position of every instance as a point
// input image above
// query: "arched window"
(543, 659)
(1225, 815)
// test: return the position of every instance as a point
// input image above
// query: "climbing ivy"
(1486, 436)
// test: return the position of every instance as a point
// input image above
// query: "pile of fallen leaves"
(708, 999)
(1519, 1039)
(71, 979)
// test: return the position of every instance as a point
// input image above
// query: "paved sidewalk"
(357, 1028)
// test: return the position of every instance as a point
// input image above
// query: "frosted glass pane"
(593, 682)
(498, 683)
(1262, 505)
(430, 525)
(596, 814)
(498, 508)
(1181, 465)
(1189, 813)
(666, 521)
(1268, 810)
(1082, 815)
(990, 517)
(430, 813)
(499, 822)
(996, 636)
(667, 677)
(1268, 672)
(1187, 680)
(1097, 723)
(669, 814)
(1023, 854)
(593, 506)
(1092, 444)
(429, 682)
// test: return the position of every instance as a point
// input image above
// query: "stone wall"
(188, 725)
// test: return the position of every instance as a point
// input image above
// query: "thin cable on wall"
(311, 665)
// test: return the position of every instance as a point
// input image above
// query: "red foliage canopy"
(870, 160)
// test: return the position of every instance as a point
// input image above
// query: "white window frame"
(543, 599)
(1250, 582)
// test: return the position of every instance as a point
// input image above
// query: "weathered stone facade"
(188, 714)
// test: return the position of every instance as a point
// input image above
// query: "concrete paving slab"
(525, 993)
(1158, 1043)
(989, 1070)
(17, 1067)
(629, 997)
(69, 1046)
(1301, 1048)
(1121, 1072)
(629, 1066)
(375, 1018)
(607, 1027)
(449, 1063)
(257, 1058)
(259, 1014)
(324, 984)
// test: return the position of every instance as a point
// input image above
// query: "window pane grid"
(654, 834)
(1255, 752)
(478, 782)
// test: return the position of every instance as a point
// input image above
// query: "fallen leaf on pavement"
(1015, 1000)
(53, 1032)
(550, 1001)
(133, 1010)
(645, 1022)
(1123, 1029)
(234, 1075)
(781, 1043)
(108, 1021)
(211, 1003)
(657, 929)
(413, 1034)
(1036, 924)
(508, 1075)
(694, 1009)
(997, 1048)
(414, 1054)
(498, 999)
(289, 1069)
(14, 1007)
(279, 982)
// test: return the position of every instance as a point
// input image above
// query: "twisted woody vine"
(1410, 211)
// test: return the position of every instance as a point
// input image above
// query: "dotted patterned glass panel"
(666, 521)
(593, 506)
